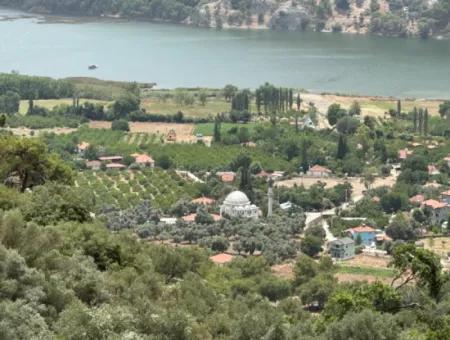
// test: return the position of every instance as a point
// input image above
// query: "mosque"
(237, 204)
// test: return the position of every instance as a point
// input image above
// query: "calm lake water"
(172, 56)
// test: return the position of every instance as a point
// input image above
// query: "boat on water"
(93, 67)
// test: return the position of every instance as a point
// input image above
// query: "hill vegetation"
(385, 17)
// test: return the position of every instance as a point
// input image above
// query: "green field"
(207, 129)
(378, 272)
(51, 103)
(125, 189)
(200, 157)
(212, 107)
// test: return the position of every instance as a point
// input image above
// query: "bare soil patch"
(368, 261)
(345, 277)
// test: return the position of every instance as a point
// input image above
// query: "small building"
(342, 248)
(93, 165)
(199, 137)
(417, 199)
(319, 171)
(115, 166)
(404, 153)
(447, 160)
(204, 201)
(237, 204)
(439, 210)
(143, 160)
(82, 147)
(445, 196)
(227, 176)
(432, 170)
(171, 136)
(221, 259)
(366, 234)
(286, 205)
(110, 159)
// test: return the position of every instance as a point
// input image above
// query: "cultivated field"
(126, 188)
(185, 132)
(51, 103)
(210, 109)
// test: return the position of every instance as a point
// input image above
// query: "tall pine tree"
(425, 122)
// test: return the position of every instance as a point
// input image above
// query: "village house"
(319, 171)
(417, 199)
(445, 196)
(93, 165)
(342, 249)
(404, 153)
(439, 210)
(143, 160)
(204, 201)
(226, 176)
(110, 159)
(432, 170)
(366, 234)
(81, 148)
(447, 160)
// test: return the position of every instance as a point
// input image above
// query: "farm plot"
(126, 189)
(199, 157)
(184, 132)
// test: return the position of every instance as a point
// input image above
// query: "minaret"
(270, 199)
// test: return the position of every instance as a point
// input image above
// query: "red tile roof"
(447, 158)
(362, 229)
(417, 199)
(83, 146)
(221, 258)
(445, 193)
(432, 169)
(319, 168)
(227, 176)
(142, 158)
(204, 201)
(433, 204)
(404, 153)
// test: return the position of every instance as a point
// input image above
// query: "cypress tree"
(415, 119)
(399, 107)
(291, 98)
(304, 154)
(420, 121)
(217, 136)
(299, 102)
(342, 147)
(425, 122)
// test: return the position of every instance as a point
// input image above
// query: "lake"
(173, 56)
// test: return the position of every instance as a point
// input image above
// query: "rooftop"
(319, 168)
(433, 204)
(361, 229)
(191, 217)
(343, 241)
(142, 158)
(204, 201)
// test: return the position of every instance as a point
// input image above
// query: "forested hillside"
(385, 17)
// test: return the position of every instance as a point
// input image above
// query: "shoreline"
(53, 18)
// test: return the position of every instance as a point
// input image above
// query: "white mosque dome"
(237, 198)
